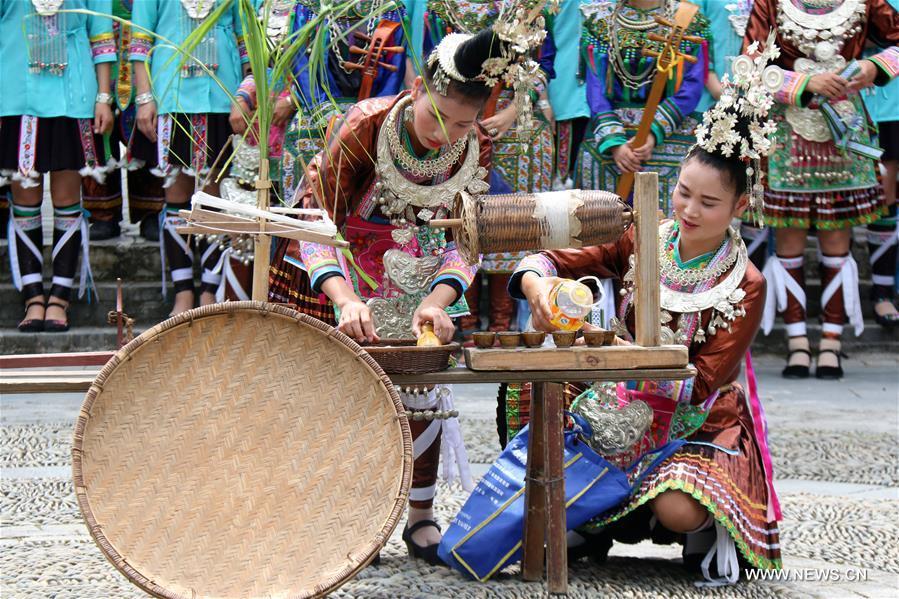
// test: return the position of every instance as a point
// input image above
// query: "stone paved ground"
(835, 451)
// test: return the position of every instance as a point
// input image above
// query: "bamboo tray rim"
(124, 355)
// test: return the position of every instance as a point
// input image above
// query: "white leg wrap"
(848, 280)
(71, 225)
(14, 230)
(726, 553)
(779, 282)
(452, 449)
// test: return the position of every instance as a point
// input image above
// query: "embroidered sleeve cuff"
(888, 63)
(320, 276)
(790, 92)
(242, 50)
(454, 267)
(536, 263)
(609, 129)
(140, 47)
(103, 48)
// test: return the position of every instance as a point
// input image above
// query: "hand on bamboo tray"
(536, 290)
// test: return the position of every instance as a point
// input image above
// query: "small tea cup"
(484, 339)
(533, 338)
(564, 338)
(509, 340)
(599, 337)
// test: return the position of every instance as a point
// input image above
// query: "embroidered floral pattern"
(103, 48)
(140, 47)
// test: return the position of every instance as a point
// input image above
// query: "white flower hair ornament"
(747, 98)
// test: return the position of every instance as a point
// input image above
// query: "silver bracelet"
(542, 104)
(144, 98)
(104, 98)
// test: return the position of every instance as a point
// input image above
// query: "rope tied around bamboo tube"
(491, 224)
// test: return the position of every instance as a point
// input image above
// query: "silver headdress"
(520, 24)
(748, 96)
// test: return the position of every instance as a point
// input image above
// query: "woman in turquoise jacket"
(183, 107)
(54, 70)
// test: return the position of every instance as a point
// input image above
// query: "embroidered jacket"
(717, 360)
(881, 24)
(187, 95)
(88, 41)
(341, 180)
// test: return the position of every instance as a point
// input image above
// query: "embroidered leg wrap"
(756, 244)
(175, 249)
(882, 243)
(68, 233)
(786, 294)
(501, 304)
(210, 253)
(428, 438)
(237, 279)
(26, 258)
(837, 272)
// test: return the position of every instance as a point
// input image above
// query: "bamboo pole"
(262, 243)
(646, 250)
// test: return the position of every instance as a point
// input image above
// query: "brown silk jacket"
(717, 360)
(338, 178)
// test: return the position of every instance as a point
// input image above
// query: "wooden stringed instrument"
(374, 55)
(666, 60)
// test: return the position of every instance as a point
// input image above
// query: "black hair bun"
(471, 54)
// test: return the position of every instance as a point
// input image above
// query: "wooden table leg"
(535, 491)
(556, 546)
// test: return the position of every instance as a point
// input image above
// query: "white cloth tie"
(779, 282)
(848, 279)
(728, 566)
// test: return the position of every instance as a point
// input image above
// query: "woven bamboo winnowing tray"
(241, 450)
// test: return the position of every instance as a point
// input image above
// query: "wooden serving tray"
(577, 358)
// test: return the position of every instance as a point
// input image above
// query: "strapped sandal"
(830, 373)
(429, 553)
(57, 326)
(887, 321)
(797, 371)
(32, 325)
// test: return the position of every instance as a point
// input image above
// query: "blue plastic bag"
(486, 534)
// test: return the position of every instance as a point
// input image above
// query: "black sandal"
(429, 553)
(887, 321)
(57, 326)
(830, 373)
(797, 371)
(32, 325)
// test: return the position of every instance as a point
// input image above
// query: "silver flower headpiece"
(748, 96)
(520, 24)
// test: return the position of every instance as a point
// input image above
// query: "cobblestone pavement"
(836, 458)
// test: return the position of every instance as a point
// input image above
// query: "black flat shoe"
(887, 321)
(595, 548)
(830, 373)
(32, 325)
(56, 326)
(429, 553)
(104, 229)
(149, 228)
(797, 371)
